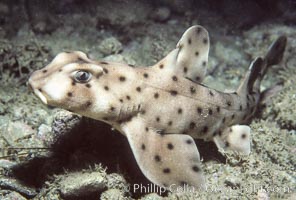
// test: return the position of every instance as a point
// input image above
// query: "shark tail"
(259, 66)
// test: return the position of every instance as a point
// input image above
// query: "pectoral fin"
(166, 160)
(236, 138)
(190, 58)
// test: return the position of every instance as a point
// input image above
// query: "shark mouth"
(41, 96)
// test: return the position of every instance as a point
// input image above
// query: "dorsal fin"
(259, 66)
(252, 74)
(190, 58)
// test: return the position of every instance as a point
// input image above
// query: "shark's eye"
(82, 76)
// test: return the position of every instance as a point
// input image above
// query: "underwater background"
(50, 153)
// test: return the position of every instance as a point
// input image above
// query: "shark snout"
(34, 84)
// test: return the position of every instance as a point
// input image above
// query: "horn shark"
(161, 108)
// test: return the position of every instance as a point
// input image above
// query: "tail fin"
(259, 66)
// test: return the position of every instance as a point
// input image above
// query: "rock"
(113, 194)
(15, 185)
(17, 131)
(6, 164)
(161, 14)
(121, 14)
(152, 196)
(44, 134)
(63, 122)
(13, 196)
(118, 182)
(79, 183)
(120, 59)
(110, 46)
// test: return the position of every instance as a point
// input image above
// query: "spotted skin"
(160, 109)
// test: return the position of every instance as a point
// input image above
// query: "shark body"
(160, 109)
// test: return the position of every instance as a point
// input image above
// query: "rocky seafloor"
(49, 153)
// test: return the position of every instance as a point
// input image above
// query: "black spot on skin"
(192, 125)
(147, 129)
(232, 116)
(121, 100)
(70, 94)
(143, 112)
(44, 71)
(157, 158)
(230, 130)
(197, 78)
(145, 75)
(105, 70)
(128, 97)
(211, 93)
(192, 90)
(60, 70)
(143, 147)
(204, 63)
(104, 63)
(244, 136)
(227, 144)
(210, 111)
(161, 66)
(196, 53)
(189, 141)
(73, 83)
(223, 120)
(173, 92)
(218, 109)
(98, 75)
(131, 65)
(180, 111)
(138, 89)
(185, 69)
(205, 129)
(248, 97)
(122, 78)
(170, 146)
(195, 168)
(228, 103)
(175, 78)
(88, 85)
(166, 170)
(220, 133)
(189, 41)
(198, 30)
(157, 119)
(112, 108)
(240, 107)
(205, 40)
(181, 46)
(156, 95)
(106, 88)
(170, 123)
(215, 133)
(88, 104)
(199, 110)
